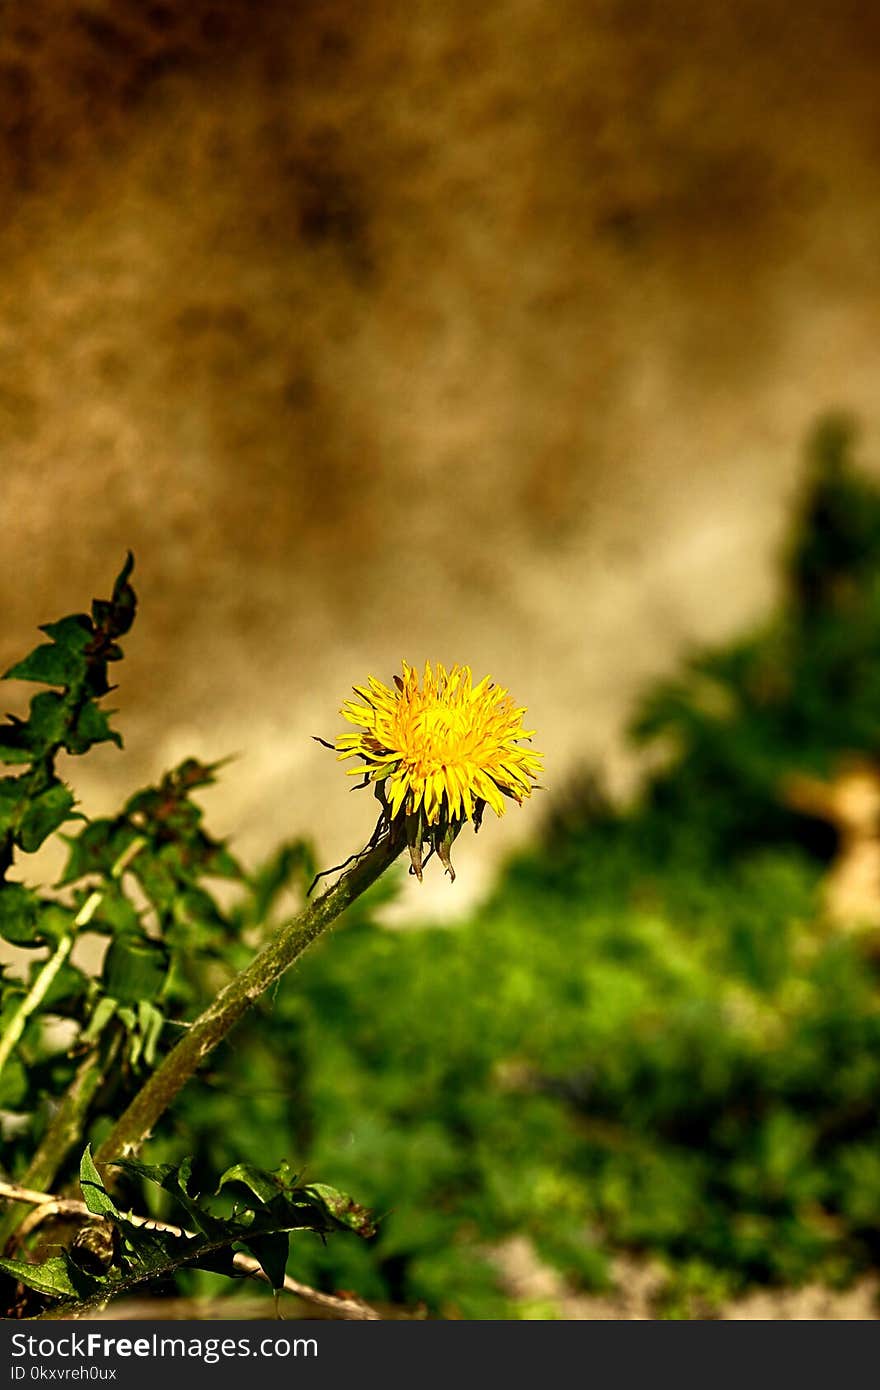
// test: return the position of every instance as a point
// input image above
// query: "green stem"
(67, 1124)
(33, 999)
(212, 1026)
(64, 1130)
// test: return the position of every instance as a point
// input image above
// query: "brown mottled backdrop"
(489, 333)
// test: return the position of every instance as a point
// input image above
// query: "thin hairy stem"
(221, 1016)
(33, 999)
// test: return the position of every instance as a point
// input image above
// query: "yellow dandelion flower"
(439, 752)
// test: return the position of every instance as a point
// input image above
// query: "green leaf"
(203, 1221)
(219, 862)
(50, 664)
(92, 726)
(63, 661)
(105, 1009)
(271, 1253)
(277, 1208)
(13, 1084)
(192, 773)
(95, 1195)
(151, 1021)
(97, 849)
(43, 815)
(72, 634)
(157, 1173)
(196, 908)
(19, 915)
(175, 1179)
(123, 601)
(47, 721)
(115, 912)
(13, 796)
(263, 1185)
(146, 1255)
(55, 920)
(156, 879)
(51, 1278)
(76, 660)
(15, 743)
(135, 968)
(342, 1208)
(128, 1018)
(69, 984)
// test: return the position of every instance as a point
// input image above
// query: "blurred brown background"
(487, 334)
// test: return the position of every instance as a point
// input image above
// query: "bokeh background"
(390, 329)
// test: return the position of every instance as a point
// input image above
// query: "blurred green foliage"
(649, 1038)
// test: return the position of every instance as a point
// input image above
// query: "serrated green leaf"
(135, 968)
(50, 664)
(95, 1195)
(47, 720)
(143, 1247)
(146, 1255)
(263, 1185)
(50, 1278)
(15, 743)
(342, 1208)
(44, 814)
(157, 1173)
(271, 1252)
(157, 880)
(73, 633)
(203, 1221)
(92, 726)
(174, 1178)
(145, 802)
(19, 915)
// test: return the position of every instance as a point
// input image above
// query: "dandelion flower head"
(439, 751)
